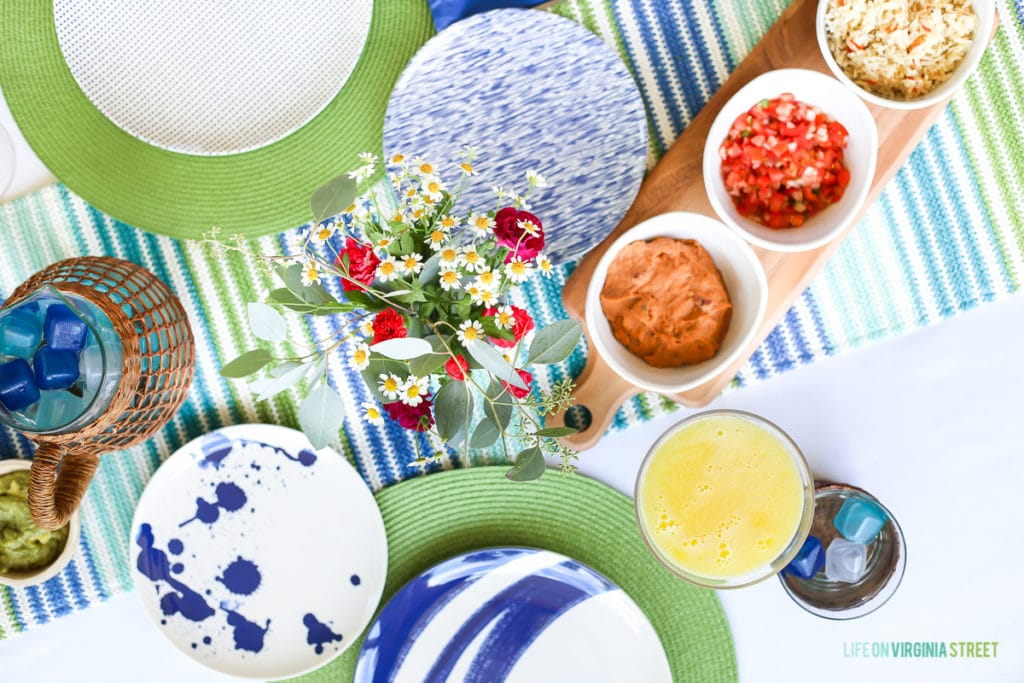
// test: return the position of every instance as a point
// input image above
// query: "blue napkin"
(447, 12)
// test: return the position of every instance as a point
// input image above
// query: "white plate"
(201, 77)
(257, 556)
(512, 614)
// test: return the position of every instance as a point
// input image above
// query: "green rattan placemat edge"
(437, 516)
(259, 192)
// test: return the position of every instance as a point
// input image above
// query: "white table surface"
(926, 422)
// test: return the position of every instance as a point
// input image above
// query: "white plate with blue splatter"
(518, 615)
(256, 555)
(529, 90)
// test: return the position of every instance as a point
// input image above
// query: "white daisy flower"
(535, 179)
(368, 158)
(387, 269)
(472, 260)
(470, 331)
(449, 279)
(504, 318)
(372, 414)
(480, 223)
(528, 226)
(436, 239)
(360, 359)
(488, 279)
(481, 295)
(413, 390)
(390, 385)
(323, 232)
(450, 257)
(501, 192)
(384, 242)
(520, 202)
(467, 168)
(422, 168)
(518, 270)
(367, 328)
(544, 265)
(448, 223)
(432, 187)
(310, 274)
(397, 159)
(411, 263)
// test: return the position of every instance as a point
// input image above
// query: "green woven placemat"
(258, 192)
(433, 518)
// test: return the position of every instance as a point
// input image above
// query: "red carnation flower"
(417, 418)
(508, 228)
(362, 265)
(457, 367)
(388, 324)
(521, 325)
(516, 391)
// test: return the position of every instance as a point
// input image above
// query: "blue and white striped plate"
(511, 614)
(528, 90)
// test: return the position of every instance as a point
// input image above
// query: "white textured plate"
(511, 614)
(256, 555)
(211, 77)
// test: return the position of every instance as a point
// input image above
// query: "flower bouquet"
(422, 293)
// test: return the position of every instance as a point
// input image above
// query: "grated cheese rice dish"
(900, 49)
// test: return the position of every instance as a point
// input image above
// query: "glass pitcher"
(96, 354)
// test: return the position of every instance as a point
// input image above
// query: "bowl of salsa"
(789, 160)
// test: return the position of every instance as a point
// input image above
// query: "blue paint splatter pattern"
(319, 633)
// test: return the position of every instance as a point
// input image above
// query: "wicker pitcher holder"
(158, 364)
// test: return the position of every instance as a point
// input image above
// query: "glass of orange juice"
(724, 499)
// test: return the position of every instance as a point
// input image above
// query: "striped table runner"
(946, 235)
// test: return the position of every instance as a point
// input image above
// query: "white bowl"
(986, 13)
(24, 579)
(828, 95)
(744, 279)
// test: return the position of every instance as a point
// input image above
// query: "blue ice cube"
(56, 409)
(20, 333)
(808, 561)
(18, 388)
(64, 330)
(55, 369)
(845, 561)
(860, 520)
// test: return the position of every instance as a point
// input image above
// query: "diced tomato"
(782, 162)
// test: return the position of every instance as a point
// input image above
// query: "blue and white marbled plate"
(511, 614)
(528, 89)
(256, 555)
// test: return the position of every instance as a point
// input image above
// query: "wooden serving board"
(677, 184)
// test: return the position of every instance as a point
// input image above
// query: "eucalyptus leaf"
(286, 381)
(494, 363)
(287, 298)
(555, 342)
(431, 269)
(312, 294)
(321, 414)
(529, 465)
(246, 364)
(332, 197)
(453, 406)
(284, 368)
(499, 408)
(266, 323)
(485, 433)
(318, 373)
(402, 348)
(556, 432)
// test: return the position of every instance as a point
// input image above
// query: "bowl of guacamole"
(28, 554)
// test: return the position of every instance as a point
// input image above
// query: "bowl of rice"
(904, 54)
